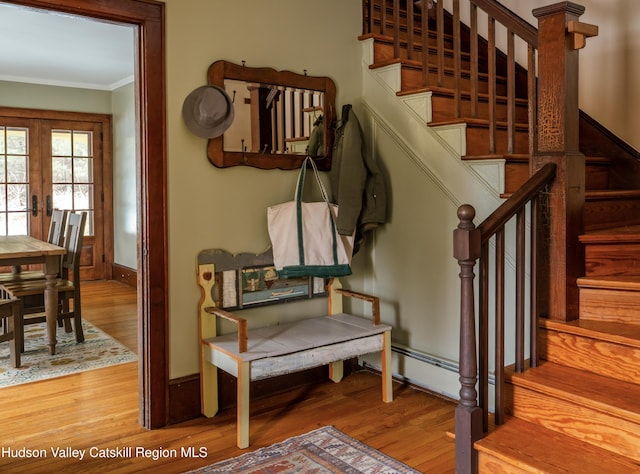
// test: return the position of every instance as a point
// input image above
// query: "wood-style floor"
(96, 412)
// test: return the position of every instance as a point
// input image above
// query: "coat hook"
(243, 62)
(305, 72)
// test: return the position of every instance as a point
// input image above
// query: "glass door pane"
(14, 181)
(72, 173)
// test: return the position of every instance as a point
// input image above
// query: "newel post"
(466, 250)
(560, 35)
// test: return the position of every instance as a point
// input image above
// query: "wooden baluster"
(440, 41)
(491, 71)
(410, 30)
(532, 96)
(468, 426)
(499, 354)
(457, 68)
(383, 17)
(424, 15)
(511, 92)
(520, 287)
(483, 336)
(533, 293)
(473, 19)
(396, 29)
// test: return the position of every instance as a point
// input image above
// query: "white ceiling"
(42, 47)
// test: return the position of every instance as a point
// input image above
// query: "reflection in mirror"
(279, 117)
(269, 118)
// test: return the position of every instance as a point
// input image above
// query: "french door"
(55, 163)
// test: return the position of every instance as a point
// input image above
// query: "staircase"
(578, 410)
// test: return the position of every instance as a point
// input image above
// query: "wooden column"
(557, 142)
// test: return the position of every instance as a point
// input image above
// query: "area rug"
(325, 450)
(98, 350)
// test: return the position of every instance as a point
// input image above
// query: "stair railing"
(470, 244)
(424, 25)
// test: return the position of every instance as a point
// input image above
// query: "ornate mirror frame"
(218, 156)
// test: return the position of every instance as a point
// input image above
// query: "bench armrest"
(374, 300)
(243, 337)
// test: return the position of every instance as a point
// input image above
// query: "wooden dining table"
(18, 250)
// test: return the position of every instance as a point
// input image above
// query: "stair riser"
(602, 214)
(411, 79)
(600, 357)
(516, 174)
(443, 110)
(612, 259)
(478, 142)
(619, 306)
(495, 465)
(386, 51)
(586, 424)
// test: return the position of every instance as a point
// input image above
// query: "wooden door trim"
(149, 16)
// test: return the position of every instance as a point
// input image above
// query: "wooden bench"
(235, 282)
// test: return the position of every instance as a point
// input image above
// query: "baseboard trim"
(126, 275)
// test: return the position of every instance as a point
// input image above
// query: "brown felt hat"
(208, 111)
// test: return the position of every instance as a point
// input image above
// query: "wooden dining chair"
(12, 334)
(31, 292)
(54, 236)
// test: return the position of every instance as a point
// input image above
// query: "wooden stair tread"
(618, 282)
(629, 233)
(584, 389)
(619, 333)
(418, 65)
(612, 194)
(477, 122)
(447, 92)
(534, 448)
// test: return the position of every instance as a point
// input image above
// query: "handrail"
(522, 196)
(470, 245)
(510, 20)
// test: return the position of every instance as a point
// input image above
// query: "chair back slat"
(73, 242)
(57, 227)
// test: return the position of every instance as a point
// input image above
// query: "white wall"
(125, 148)
(609, 64)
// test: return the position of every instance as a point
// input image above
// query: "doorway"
(57, 160)
(152, 287)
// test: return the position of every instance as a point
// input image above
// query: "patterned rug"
(98, 350)
(326, 450)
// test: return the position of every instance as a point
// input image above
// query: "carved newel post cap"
(466, 214)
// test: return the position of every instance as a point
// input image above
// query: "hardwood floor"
(96, 412)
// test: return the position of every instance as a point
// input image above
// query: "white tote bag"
(304, 237)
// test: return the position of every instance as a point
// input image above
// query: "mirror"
(279, 116)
